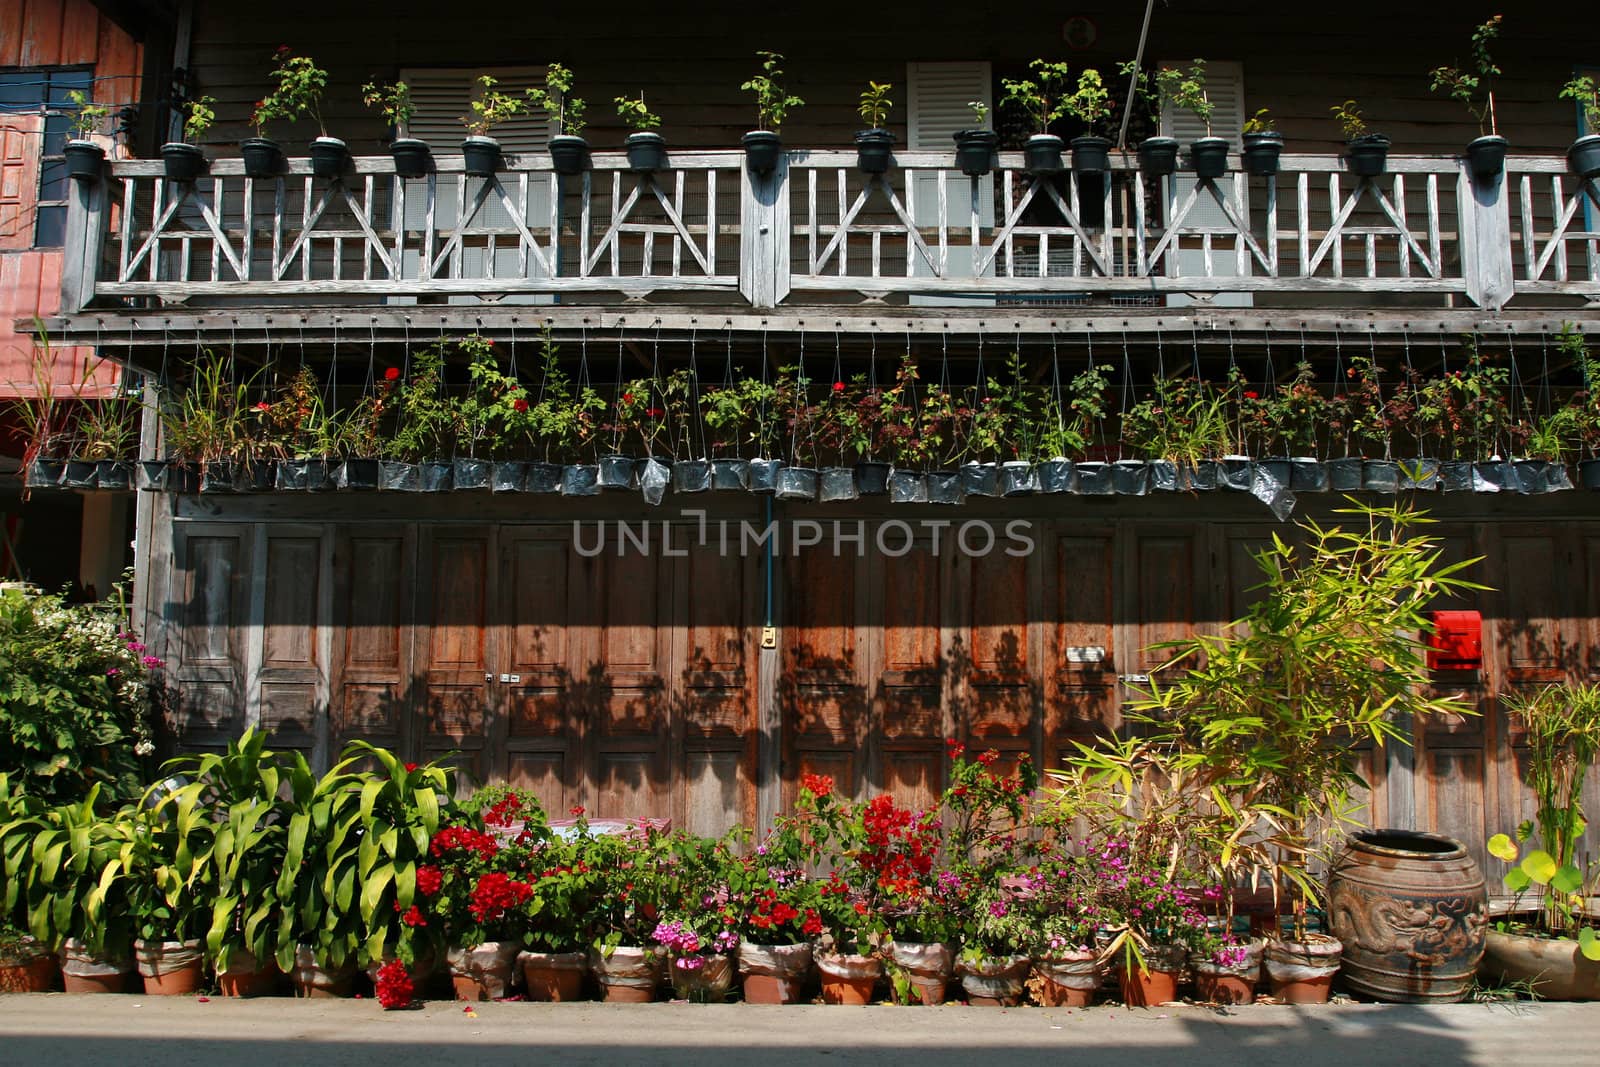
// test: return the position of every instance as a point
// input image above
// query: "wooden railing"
(819, 226)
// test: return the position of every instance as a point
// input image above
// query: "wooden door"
(288, 696)
(212, 590)
(1000, 692)
(1082, 703)
(823, 690)
(910, 663)
(456, 647)
(373, 695)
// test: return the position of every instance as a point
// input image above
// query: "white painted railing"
(819, 226)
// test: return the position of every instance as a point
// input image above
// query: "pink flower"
(153, 662)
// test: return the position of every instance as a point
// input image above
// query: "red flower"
(1250, 396)
(429, 879)
(410, 767)
(391, 374)
(819, 785)
(954, 748)
(654, 413)
(413, 917)
(263, 406)
(495, 894)
(576, 811)
(838, 387)
(988, 757)
(393, 985)
(519, 404)
(627, 398)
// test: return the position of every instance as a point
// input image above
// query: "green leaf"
(1589, 944)
(1567, 880)
(1539, 866)
(1502, 847)
(1517, 880)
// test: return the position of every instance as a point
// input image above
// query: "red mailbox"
(1456, 643)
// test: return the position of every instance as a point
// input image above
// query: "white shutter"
(937, 95)
(1225, 90)
(442, 97)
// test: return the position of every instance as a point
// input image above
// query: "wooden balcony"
(817, 231)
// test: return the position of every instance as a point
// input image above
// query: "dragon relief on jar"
(1427, 931)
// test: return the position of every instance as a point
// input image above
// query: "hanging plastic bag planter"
(214, 478)
(1344, 475)
(543, 478)
(304, 475)
(872, 478)
(1488, 477)
(509, 476)
(762, 475)
(1527, 476)
(399, 477)
(1556, 478)
(654, 477)
(1235, 472)
(1279, 467)
(730, 475)
(1380, 476)
(1455, 477)
(980, 479)
(1163, 476)
(908, 487)
(153, 475)
(1307, 475)
(619, 472)
(837, 483)
(1055, 476)
(115, 474)
(1419, 474)
(360, 474)
(436, 477)
(797, 483)
(691, 476)
(1203, 476)
(1018, 478)
(249, 476)
(1130, 477)
(472, 473)
(1276, 495)
(945, 487)
(577, 479)
(1094, 478)
(81, 474)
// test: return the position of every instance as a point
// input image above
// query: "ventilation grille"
(443, 96)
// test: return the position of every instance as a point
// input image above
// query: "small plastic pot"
(1158, 156)
(1584, 156)
(874, 150)
(480, 156)
(569, 154)
(647, 152)
(975, 151)
(1486, 157)
(412, 157)
(1368, 155)
(872, 478)
(762, 150)
(182, 162)
(262, 157)
(329, 156)
(1261, 152)
(1209, 157)
(1091, 155)
(1041, 154)
(85, 160)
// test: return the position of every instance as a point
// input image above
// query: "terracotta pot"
(170, 968)
(1070, 979)
(774, 974)
(1555, 969)
(485, 972)
(848, 979)
(421, 969)
(994, 981)
(928, 967)
(1412, 911)
(703, 979)
(1235, 983)
(312, 979)
(256, 981)
(1301, 972)
(553, 976)
(629, 974)
(84, 972)
(1157, 981)
(30, 970)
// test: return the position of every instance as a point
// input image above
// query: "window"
(32, 91)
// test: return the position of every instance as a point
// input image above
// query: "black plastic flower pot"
(1307, 475)
(1091, 155)
(1209, 157)
(654, 477)
(480, 156)
(1094, 478)
(81, 474)
(508, 476)
(359, 475)
(45, 473)
(909, 487)
(1486, 157)
(216, 478)
(1130, 477)
(1279, 468)
(1203, 475)
(1368, 155)
(1165, 476)
(1236, 473)
(797, 483)
(412, 157)
(836, 483)
(182, 478)
(1344, 474)
(292, 475)
(255, 476)
(1380, 476)
(1055, 476)
(762, 475)
(1419, 474)
(436, 476)
(569, 154)
(762, 150)
(1158, 156)
(471, 474)
(115, 474)
(1528, 476)
(1018, 478)
(619, 472)
(398, 477)
(262, 157)
(874, 150)
(182, 162)
(1455, 477)
(975, 151)
(691, 476)
(85, 160)
(1488, 476)
(730, 475)
(543, 478)
(647, 152)
(872, 477)
(329, 156)
(1583, 158)
(1041, 154)
(319, 474)
(980, 479)
(946, 487)
(1589, 474)
(1261, 153)
(1557, 478)
(152, 475)
(580, 479)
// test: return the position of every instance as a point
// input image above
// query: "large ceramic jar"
(1412, 910)
(1553, 968)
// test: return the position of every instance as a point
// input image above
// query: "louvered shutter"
(1225, 90)
(442, 97)
(937, 95)
(21, 141)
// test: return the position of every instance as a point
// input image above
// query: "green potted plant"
(975, 147)
(1178, 426)
(1368, 153)
(26, 966)
(108, 437)
(1184, 89)
(1090, 104)
(762, 145)
(875, 143)
(624, 910)
(1584, 155)
(1041, 98)
(647, 150)
(1553, 946)
(84, 157)
(167, 840)
(77, 905)
(182, 160)
(569, 152)
(556, 958)
(776, 899)
(1263, 144)
(1486, 156)
(297, 92)
(412, 156)
(480, 153)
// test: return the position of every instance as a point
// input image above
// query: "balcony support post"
(763, 235)
(1485, 214)
(82, 245)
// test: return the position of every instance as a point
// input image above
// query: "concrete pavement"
(58, 1030)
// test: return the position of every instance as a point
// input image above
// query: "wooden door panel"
(910, 671)
(213, 592)
(630, 732)
(1165, 604)
(1082, 655)
(372, 634)
(823, 694)
(1451, 797)
(1534, 585)
(289, 682)
(454, 644)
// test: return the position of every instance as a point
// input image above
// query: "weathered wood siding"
(636, 684)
